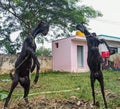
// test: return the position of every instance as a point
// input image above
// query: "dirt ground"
(44, 103)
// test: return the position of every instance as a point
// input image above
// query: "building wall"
(74, 56)
(7, 63)
(61, 55)
(114, 44)
(65, 56)
(111, 43)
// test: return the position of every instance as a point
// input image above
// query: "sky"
(109, 23)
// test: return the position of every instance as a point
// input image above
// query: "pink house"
(70, 54)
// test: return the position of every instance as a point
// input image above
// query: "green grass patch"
(63, 85)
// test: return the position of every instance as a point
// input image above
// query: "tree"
(44, 51)
(25, 14)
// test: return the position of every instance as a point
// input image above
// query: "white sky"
(109, 24)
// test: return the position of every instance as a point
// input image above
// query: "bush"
(44, 52)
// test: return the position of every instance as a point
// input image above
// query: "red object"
(105, 54)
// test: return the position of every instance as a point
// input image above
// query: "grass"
(51, 82)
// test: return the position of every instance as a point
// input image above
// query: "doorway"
(80, 59)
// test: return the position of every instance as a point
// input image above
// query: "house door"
(80, 56)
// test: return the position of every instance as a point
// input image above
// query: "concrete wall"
(79, 41)
(61, 51)
(7, 63)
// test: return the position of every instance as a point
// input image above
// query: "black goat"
(94, 60)
(26, 62)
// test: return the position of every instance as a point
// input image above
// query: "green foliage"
(25, 14)
(44, 51)
(3, 94)
(8, 46)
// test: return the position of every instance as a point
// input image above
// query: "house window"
(57, 45)
(80, 56)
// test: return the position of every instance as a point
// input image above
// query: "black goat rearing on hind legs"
(94, 60)
(26, 62)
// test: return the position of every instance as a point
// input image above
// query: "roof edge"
(109, 36)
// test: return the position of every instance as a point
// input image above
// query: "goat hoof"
(35, 81)
(97, 104)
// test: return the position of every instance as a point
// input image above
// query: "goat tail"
(11, 75)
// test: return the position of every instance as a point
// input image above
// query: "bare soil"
(44, 103)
